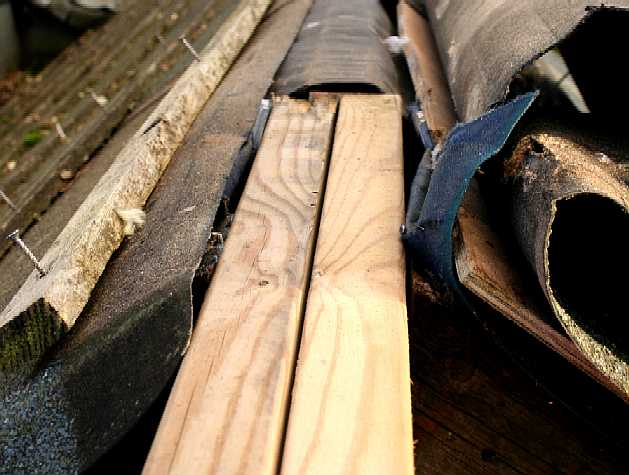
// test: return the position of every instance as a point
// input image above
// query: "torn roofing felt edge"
(566, 200)
(484, 44)
(430, 218)
(437, 195)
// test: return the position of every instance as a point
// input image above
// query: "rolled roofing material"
(483, 44)
(579, 175)
(570, 208)
(340, 48)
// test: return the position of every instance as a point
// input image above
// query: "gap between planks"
(227, 409)
(351, 405)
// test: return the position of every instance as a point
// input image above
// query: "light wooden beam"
(429, 81)
(351, 406)
(227, 411)
(44, 308)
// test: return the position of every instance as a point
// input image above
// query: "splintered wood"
(351, 409)
(227, 410)
(46, 307)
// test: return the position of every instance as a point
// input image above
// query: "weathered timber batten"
(46, 306)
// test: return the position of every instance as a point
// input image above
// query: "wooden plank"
(226, 413)
(427, 74)
(45, 308)
(34, 182)
(351, 407)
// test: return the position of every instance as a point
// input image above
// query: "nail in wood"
(100, 100)
(62, 135)
(193, 52)
(15, 237)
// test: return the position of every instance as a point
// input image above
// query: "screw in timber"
(15, 237)
(193, 52)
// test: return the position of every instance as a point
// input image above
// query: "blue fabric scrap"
(429, 229)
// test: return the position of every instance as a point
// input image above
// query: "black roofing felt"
(341, 48)
(483, 44)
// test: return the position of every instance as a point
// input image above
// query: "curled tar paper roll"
(570, 211)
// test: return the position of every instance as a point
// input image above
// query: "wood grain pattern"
(351, 408)
(226, 413)
(44, 308)
(427, 74)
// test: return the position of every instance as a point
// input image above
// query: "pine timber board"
(351, 408)
(227, 409)
(44, 308)
(426, 71)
